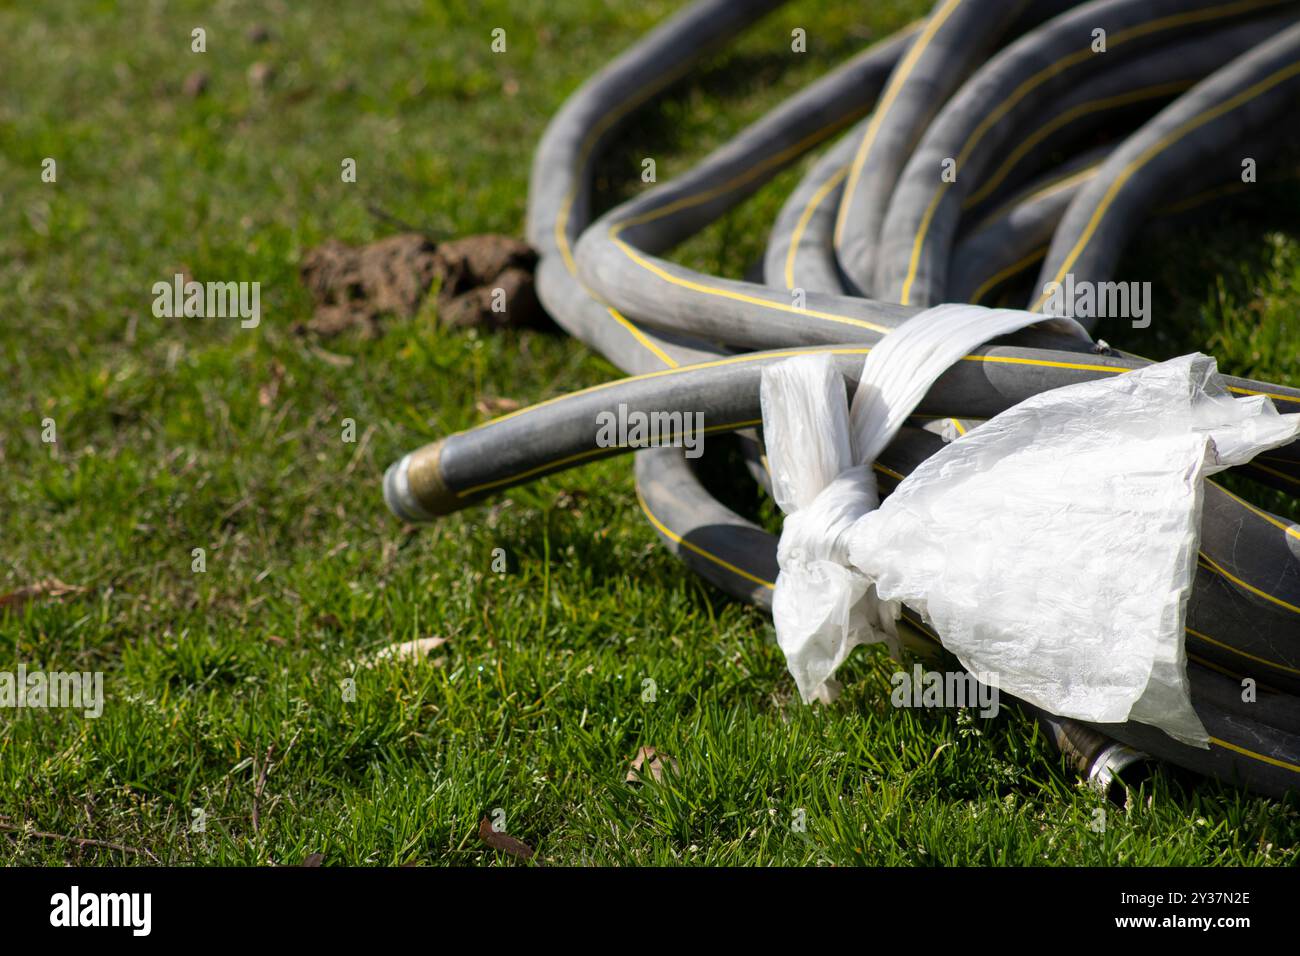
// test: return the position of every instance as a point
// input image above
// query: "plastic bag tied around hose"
(1052, 549)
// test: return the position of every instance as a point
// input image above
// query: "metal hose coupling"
(414, 489)
(1099, 759)
(1109, 766)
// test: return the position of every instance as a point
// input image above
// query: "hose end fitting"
(1108, 768)
(414, 489)
(1103, 762)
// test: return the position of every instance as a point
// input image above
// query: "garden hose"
(1158, 118)
(977, 124)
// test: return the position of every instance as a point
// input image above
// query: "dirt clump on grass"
(482, 280)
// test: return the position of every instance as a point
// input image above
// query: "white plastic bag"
(1052, 548)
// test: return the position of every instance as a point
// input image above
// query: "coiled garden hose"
(1154, 103)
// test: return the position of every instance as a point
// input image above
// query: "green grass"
(179, 434)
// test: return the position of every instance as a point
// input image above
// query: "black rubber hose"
(1014, 238)
(956, 37)
(1007, 93)
(559, 195)
(1118, 97)
(748, 315)
(1253, 744)
(1235, 104)
(800, 252)
(564, 432)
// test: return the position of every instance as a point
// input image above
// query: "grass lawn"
(224, 687)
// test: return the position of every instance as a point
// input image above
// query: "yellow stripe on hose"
(1043, 363)
(1291, 529)
(736, 181)
(1200, 199)
(1277, 397)
(673, 536)
(776, 159)
(742, 573)
(1254, 756)
(678, 539)
(916, 245)
(1153, 26)
(730, 360)
(1214, 192)
(1069, 116)
(1172, 136)
(594, 452)
(809, 141)
(580, 456)
(896, 82)
(806, 217)
(643, 339)
(589, 143)
(762, 356)
(1207, 663)
(1048, 188)
(999, 277)
(562, 218)
(841, 350)
(1259, 660)
(1275, 473)
(740, 296)
(1217, 568)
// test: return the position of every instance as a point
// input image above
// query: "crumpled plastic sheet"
(1052, 548)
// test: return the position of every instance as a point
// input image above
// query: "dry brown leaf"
(314, 859)
(51, 588)
(491, 407)
(647, 758)
(331, 358)
(411, 650)
(503, 841)
(267, 392)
